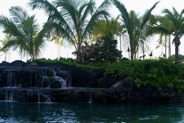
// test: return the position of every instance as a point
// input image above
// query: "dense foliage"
(180, 58)
(74, 62)
(159, 73)
(74, 20)
(23, 33)
(103, 50)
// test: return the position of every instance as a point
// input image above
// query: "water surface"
(13, 112)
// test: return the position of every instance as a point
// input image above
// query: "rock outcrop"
(58, 82)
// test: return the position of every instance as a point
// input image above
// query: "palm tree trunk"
(5, 56)
(176, 41)
(120, 43)
(132, 55)
(165, 46)
(9, 56)
(58, 52)
(176, 54)
(79, 52)
(169, 45)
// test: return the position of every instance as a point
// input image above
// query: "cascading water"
(59, 79)
(90, 98)
(11, 78)
(51, 82)
(31, 84)
(9, 96)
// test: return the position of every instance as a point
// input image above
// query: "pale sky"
(139, 6)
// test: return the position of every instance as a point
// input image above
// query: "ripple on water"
(151, 117)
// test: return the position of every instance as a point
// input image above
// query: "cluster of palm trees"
(79, 21)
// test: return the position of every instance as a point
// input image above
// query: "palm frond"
(9, 26)
(147, 15)
(98, 14)
(124, 15)
(18, 14)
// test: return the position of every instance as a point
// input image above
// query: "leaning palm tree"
(24, 32)
(134, 35)
(74, 19)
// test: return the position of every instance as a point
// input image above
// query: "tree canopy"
(24, 33)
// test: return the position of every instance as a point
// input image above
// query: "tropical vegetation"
(24, 34)
(172, 23)
(94, 34)
(103, 50)
(158, 73)
(133, 25)
(74, 20)
(110, 28)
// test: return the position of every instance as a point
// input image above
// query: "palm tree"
(108, 27)
(56, 38)
(164, 27)
(74, 19)
(162, 42)
(171, 23)
(134, 34)
(24, 32)
(6, 38)
(177, 20)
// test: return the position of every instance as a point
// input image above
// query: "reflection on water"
(90, 113)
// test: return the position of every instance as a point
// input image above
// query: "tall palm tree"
(164, 27)
(134, 34)
(74, 19)
(24, 32)
(177, 20)
(172, 23)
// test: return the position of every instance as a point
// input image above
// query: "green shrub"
(158, 73)
(103, 50)
(74, 62)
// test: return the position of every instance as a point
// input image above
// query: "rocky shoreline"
(58, 82)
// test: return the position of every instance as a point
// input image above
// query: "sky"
(52, 51)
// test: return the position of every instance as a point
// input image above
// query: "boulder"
(83, 77)
(125, 85)
(4, 64)
(31, 64)
(106, 82)
(17, 63)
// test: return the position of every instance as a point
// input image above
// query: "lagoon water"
(13, 112)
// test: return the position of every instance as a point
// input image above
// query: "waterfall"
(90, 98)
(46, 98)
(11, 78)
(38, 97)
(60, 79)
(31, 84)
(9, 96)
(43, 98)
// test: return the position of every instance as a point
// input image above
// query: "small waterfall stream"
(90, 98)
(31, 84)
(9, 96)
